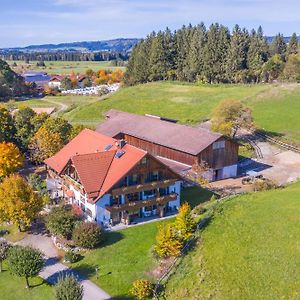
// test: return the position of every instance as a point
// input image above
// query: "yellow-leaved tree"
(44, 144)
(10, 159)
(167, 242)
(184, 222)
(229, 115)
(19, 204)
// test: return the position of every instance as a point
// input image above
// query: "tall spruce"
(237, 54)
(278, 46)
(257, 54)
(293, 46)
(215, 53)
(196, 54)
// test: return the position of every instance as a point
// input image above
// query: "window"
(149, 193)
(219, 145)
(144, 161)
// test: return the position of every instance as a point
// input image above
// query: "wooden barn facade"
(177, 145)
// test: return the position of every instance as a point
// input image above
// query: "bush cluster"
(87, 235)
(142, 289)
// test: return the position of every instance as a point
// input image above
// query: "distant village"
(91, 83)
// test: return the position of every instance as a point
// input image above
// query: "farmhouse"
(112, 181)
(178, 146)
(55, 81)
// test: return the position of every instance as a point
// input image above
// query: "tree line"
(65, 56)
(213, 55)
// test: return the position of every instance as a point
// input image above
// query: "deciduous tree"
(19, 204)
(25, 262)
(10, 159)
(44, 144)
(229, 115)
(184, 222)
(7, 127)
(167, 242)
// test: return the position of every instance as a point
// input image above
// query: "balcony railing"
(142, 187)
(134, 205)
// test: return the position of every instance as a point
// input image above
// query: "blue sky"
(25, 22)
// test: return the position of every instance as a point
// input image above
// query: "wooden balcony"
(134, 205)
(67, 180)
(143, 187)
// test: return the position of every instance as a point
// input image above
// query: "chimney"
(121, 143)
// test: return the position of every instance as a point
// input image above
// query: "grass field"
(126, 255)
(65, 67)
(250, 250)
(13, 233)
(13, 288)
(276, 108)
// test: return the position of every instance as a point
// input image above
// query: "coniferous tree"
(237, 54)
(257, 54)
(293, 45)
(278, 46)
(196, 53)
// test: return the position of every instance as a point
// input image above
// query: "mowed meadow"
(64, 67)
(249, 250)
(276, 107)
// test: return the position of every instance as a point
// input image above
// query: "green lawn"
(276, 107)
(250, 250)
(126, 255)
(65, 67)
(13, 288)
(13, 233)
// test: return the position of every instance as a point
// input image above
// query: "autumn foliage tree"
(184, 222)
(167, 242)
(44, 144)
(229, 115)
(10, 159)
(7, 127)
(19, 204)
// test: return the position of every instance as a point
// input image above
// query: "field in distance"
(64, 67)
(276, 107)
(250, 250)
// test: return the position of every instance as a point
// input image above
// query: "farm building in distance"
(178, 146)
(111, 181)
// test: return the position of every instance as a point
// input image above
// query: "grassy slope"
(249, 251)
(276, 108)
(187, 102)
(65, 67)
(13, 288)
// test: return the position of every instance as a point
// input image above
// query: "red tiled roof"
(184, 138)
(98, 170)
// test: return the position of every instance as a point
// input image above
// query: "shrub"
(4, 247)
(67, 288)
(87, 235)
(25, 262)
(61, 221)
(142, 289)
(263, 185)
(71, 257)
(167, 242)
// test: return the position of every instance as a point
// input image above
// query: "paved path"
(53, 268)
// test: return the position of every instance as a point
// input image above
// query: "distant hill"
(286, 39)
(116, 45)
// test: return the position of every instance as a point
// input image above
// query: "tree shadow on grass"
(43, 282)
(111, 237)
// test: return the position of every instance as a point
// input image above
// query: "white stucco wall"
(102, 214)
(176, 188)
